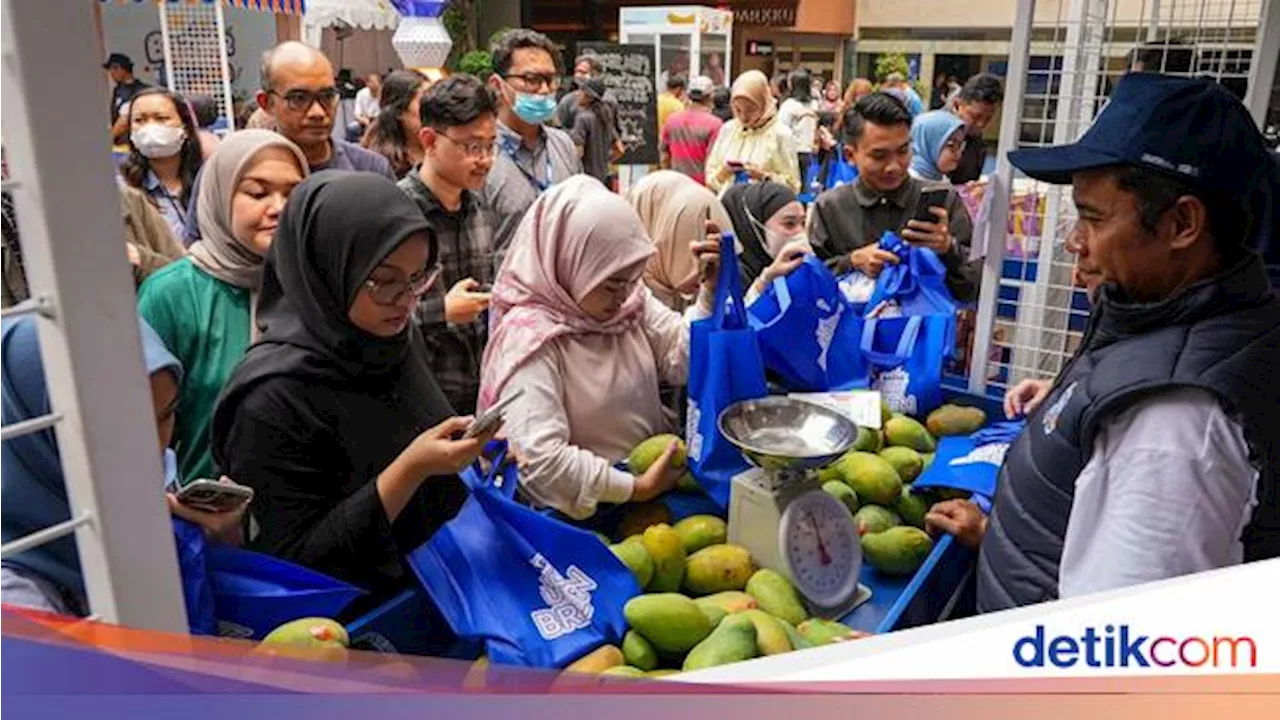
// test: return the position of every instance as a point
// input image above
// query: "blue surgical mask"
(534, 109)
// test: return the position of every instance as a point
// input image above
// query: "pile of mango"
(705, 604)
(874, 481)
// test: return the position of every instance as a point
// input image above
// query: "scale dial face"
(820, 548)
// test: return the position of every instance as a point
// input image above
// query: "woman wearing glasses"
(937, 141)
(333, 417)
(202, 305)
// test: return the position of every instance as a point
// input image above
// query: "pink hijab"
(573, 238)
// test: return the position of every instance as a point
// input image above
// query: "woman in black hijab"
(770, 225)
(333, 416)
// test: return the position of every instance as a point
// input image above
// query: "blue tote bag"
(197, 589)
(971, 462)
(909, 329)
(725, 366)
(245, 594)
(536, 591)
(255, 593)
(808, 333)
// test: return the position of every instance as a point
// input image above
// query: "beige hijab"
(218, 252)
(674, 209)
(754, 86)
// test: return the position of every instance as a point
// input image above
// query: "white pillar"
(74, 254)
(1266, 54)
(1001, 188)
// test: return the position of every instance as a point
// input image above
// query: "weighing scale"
(778, 510)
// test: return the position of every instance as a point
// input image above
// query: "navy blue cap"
(1191, 129)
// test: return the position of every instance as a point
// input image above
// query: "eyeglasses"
(299, 100)
(535, 81)
(474, 149)
(390, 292)
(955, 145)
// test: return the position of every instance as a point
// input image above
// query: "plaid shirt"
(464, 241)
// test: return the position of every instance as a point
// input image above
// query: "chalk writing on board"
(627, 74)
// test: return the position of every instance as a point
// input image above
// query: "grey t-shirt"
(595, 135)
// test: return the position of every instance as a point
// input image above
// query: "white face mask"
(155, 140)
(775, 241)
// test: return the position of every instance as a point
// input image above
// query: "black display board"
(628, 78)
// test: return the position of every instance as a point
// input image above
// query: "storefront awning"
(280, 7)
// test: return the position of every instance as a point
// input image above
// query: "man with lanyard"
(531, 156)
(1155, 453)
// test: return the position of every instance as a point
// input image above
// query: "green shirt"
(205, 323)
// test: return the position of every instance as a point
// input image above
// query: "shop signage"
(764, 13)
(759, 48)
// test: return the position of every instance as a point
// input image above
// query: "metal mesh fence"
(196, 52)
(1078, 52)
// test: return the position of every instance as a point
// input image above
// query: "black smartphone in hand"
(930, 199)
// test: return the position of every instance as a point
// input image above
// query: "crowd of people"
(325, 316)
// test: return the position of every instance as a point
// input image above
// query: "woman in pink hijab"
(574, 327)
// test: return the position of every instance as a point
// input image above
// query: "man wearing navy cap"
(1155, 453)
(120, 67)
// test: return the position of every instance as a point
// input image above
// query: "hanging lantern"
(421, 40)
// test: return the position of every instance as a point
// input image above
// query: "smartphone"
(214, 496)
(735, 164)
(490, 418)
(930, 199)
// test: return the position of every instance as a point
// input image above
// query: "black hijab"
(318, 408)
(761, 200)
(336, 228)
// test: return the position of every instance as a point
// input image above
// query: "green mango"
(771, 637)
(927, 460)
(637, 517)
(718, 568)
(647, 452)
(824, 632)
(911, 507)
(733, 641)
(905, 461)
(955, 420)
(874, 519)
(639, 652)
(906, 432)
(671, 622)
(868, 440)
(634, 556)
(843, 493)
(688, 483)
(886, 413)
(699, 531)
(714, 613)
(731, 601)
(798, 641)
(624, 671)
(897, 551)
(667, 550)
(777, 596)
(870, 476)
(664, 672)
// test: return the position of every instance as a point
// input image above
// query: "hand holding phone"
(930, 199)
(929, 227)
(492, 417)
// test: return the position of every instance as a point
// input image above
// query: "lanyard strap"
(541, 185)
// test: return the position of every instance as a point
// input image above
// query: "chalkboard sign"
(628, 77)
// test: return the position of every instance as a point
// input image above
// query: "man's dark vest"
(1221, 335)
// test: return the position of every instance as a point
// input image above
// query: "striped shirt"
(687, 138)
